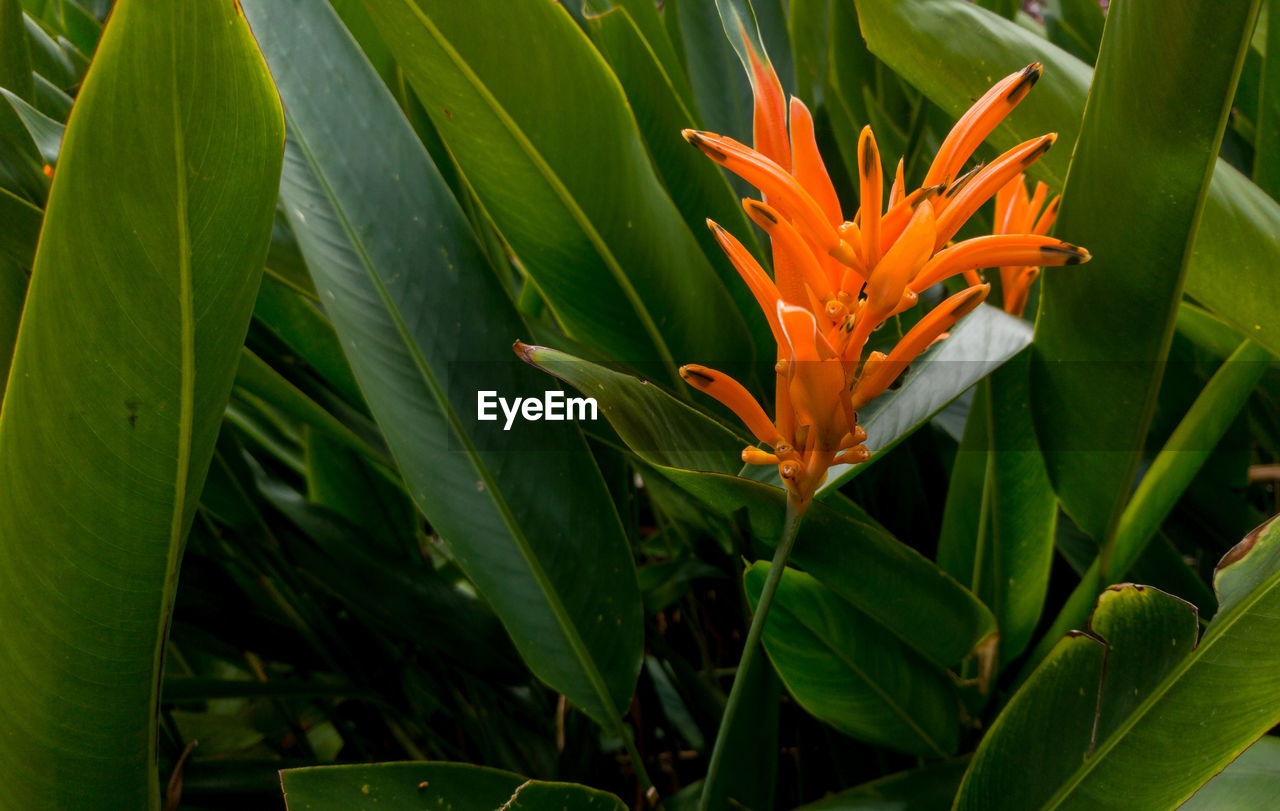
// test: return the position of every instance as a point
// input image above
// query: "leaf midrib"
(875, 687)
(552, 180)
(567, 627)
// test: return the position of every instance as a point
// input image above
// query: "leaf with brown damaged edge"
(1147, 745)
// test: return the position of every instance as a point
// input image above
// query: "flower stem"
(790, 530)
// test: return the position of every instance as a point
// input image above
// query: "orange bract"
(836, 281)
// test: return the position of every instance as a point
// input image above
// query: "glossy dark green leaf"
(721, 89)
(565, 176)
(1001, 513)
(364, 219)
(142, 290)
(444, 786)
(953, 51)
(845, 670)
(1099, 357)
(1143, 742)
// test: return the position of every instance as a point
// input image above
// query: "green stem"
(790, 530)
(646, 784)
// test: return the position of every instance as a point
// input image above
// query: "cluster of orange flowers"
(835, 281)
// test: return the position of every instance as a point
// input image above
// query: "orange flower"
(1018, 212)
(836, 281)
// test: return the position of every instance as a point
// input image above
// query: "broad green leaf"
(47, 58)
(565, 177)
(953, 51)
(1250, 781)
(840, 547)
(1005, 8)
(345, 482)
(141, 293)
(1001, 512)
(1143, 741)
(698, 186)
(1164, 482)
(522, 526)
(807, 24)
(928, 788)
(1104, 329)
(415, 786)
(845, 670)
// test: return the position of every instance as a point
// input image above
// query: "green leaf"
(406, 786)
(929, 788)
(565, 176)
(845, 670)
(721, 89)
(522, 526)
(1130, 702)
(45, 133)
(142, 290)
(1169, 475)
(952, 51)
(1250, 781)
(13, 291)
(1104, 329)
(1001, 512)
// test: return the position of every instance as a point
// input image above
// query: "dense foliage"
(262, 260)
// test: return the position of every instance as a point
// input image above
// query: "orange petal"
(976, 124)
(816, 376)
(733, 396)
(895, 222)
(778, 185)
(807, 165)
(761, 286)
(755, 456)
(1034, 204)
(769, 118)
(997, 250)
(959, 206)
(802, 267)
(877, 376)
(889, 280)
(871, 186)
(1048, 217)
(899, 186)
